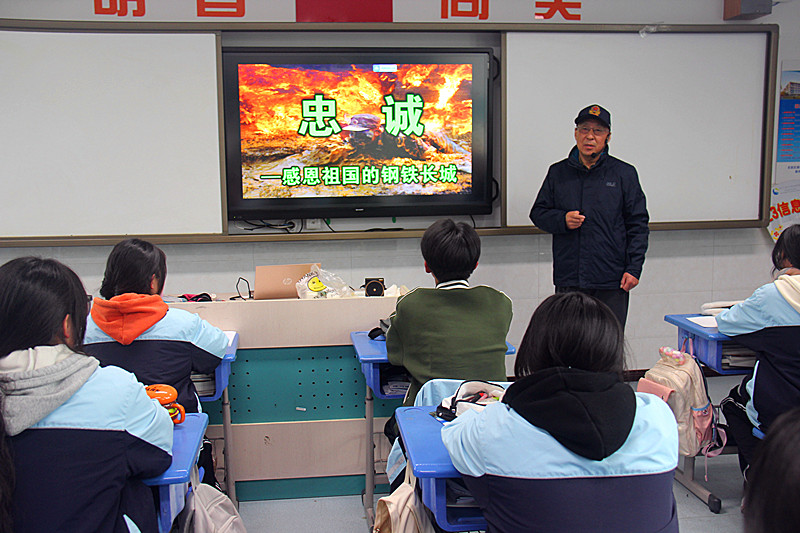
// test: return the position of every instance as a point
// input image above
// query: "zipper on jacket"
(583, 179)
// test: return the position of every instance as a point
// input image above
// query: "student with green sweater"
(454, 330)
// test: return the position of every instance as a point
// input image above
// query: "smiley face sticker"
(314, 284)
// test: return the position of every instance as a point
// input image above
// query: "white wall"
(683, 268)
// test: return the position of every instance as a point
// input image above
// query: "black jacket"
(613, 237)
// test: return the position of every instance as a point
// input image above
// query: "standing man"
(593, 205)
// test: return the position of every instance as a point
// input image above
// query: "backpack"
(678, 379)
(402, 511)
(208, 510)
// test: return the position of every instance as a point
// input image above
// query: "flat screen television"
(357, 132)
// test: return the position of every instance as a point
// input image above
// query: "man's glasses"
(584, 130)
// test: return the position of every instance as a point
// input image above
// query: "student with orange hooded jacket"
(131, 327)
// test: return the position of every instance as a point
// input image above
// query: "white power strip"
(313, 224)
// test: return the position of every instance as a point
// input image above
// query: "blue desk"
(708, 343)
(174, 482)
(373, 358)
(431, 464)
(221, 377)
(223, 372)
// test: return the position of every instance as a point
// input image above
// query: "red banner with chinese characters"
(330, 11)
(784, 207)
(344, 10)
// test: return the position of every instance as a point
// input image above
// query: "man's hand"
(574, 219)
(628, 282)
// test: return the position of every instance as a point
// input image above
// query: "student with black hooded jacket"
(570, 447)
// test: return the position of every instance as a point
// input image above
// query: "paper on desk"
(704, 321)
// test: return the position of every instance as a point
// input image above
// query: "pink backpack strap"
(715, 447)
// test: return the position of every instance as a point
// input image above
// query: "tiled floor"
(725, 482)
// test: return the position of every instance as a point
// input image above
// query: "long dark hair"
(787, 248)
(773, 479)
(130, 268)
(36, 295)
(572, 330)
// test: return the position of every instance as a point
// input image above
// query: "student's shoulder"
(654, 435)
(491, 293)
(94, 334)
(102, 402)
(654, 408)
(654, 420)
(415, 295)
(112, 383)
(180, 323)
(753, 313)
(181, 315)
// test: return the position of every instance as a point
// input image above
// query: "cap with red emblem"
(595, 112)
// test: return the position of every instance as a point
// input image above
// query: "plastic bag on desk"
(322, 284)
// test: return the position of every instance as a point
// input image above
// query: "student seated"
(453, 330)
(570, 447)
(768, 322)
(131, 327)
(76, 440)
(773, 482)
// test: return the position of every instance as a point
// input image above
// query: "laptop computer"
(279, 281)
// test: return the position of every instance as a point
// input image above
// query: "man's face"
(592, 137)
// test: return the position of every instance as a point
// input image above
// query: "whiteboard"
(687, 110)
(109, 134)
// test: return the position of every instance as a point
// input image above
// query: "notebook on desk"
(279, 281)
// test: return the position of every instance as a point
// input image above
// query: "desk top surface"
(187, 438)
(374, 351)
(683, 322)
(369, 350)
(422, 438)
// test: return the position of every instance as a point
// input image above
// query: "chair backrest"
(641, 503)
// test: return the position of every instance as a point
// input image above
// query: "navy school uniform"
(140, 333)
(82, 439)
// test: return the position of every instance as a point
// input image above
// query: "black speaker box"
(374, 286)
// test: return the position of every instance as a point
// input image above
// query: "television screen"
(343, 133)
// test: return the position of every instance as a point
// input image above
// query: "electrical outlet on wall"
(313, 224)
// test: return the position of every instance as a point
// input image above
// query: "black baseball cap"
(596, 112)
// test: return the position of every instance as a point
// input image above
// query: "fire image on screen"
(337, 130)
